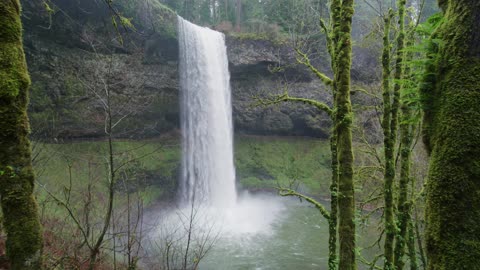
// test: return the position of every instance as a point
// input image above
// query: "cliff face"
(75, 53)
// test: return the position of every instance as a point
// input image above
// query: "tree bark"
(389, 145)
(452, 112)
(21, 221)
(407, 128)
(333, 221)
(343, 121)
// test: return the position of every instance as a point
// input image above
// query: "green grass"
(149, 167)
(262, 163)
(266, 162)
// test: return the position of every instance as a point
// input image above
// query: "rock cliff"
(74, 53)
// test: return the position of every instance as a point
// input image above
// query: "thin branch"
(70, 213)
(287, 98)
(305, 60)
(286, 192)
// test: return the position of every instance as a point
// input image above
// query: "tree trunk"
(452, 112)
(226, 10)
(389, 145)
(189, 10)
(390, 142)
(412, 252)
(333, 221)
(238, 24)
(213, 7)
(21, 221)
(407, 130)
(343, 122)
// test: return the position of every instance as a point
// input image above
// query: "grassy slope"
(264, 162)
(261, 163)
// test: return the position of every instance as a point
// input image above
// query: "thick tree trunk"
(21, 221)
(452, 121)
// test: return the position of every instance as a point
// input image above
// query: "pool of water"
(296, 239)
(268, 232)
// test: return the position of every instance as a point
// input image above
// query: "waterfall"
(208, 172)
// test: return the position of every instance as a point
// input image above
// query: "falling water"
(208, 173)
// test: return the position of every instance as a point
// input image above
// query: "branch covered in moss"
(286, 192)
(277, 99)
(304, 60)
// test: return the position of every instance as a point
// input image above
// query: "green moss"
(10, 26)
(160, 17)
(342, 12)
(20, 216)
(164, 19)
(12, 69)
(453, 204)
(12, 59)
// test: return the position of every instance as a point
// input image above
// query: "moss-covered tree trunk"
(342, 215)
(333, 221)
(403, 212)
(452, 121)
(388, 144)
(407, 128)
(21, 221)
(343, 126)
(412, 251)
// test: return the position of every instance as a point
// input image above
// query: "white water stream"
(208, 172)
(210, 210)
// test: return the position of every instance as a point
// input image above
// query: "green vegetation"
(94, 193)
(451, 92)
(152, 164)
(262, 163)
(76, 173)
(390, 125)
(266, 163)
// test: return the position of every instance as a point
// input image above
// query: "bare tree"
(184, 237)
